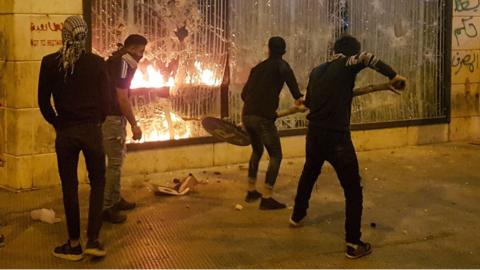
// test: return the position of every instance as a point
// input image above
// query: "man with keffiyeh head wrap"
(78, 82)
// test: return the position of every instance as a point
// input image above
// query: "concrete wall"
(26, 141)
(29, 29)
(465, 102)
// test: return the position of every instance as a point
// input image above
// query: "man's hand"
(137, 132)
(399, 82)
(299, 102)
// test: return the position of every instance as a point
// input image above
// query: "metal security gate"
(192, 40)
(412, 36)
(180, 77)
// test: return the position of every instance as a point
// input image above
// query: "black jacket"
(261, 92)
(330, 89)
(79, 98)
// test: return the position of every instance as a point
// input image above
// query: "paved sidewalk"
(425, 202)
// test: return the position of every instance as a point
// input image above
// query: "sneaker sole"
(115, 222)
(296, 224)
(69, 257)
(266, 208)
(106, 219)
(359, 256)
(95, 252)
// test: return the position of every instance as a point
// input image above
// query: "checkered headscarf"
(74, 34)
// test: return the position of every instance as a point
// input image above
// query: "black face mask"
(137, 58)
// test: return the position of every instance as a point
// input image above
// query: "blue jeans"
(336, 148)
(114, 135)
(263, 133)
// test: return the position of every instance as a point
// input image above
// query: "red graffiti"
(45, 42)
(50, 26)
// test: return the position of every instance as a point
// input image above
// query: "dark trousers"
(336, 148)
(68, 144)
(263, 133)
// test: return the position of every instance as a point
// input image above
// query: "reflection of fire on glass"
(178, 81)
(151, 93)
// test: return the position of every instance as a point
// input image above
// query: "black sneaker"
(253, 196)
(124, 205)
(271, 204)
(354, 251)
(67, 252)
(297, 218)
(112, 215)
(95, 248)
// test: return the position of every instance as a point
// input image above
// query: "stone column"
(29, 29)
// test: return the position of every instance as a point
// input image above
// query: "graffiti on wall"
(465, 62)
(465, 29)
(45, 32)
(466, 58)
(466, 5)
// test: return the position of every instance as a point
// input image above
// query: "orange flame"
(167, 125)
(164, 128)
(152, 79)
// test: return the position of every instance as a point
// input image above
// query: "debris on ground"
(2, 240)
(44, 215)
(373, 225)
(217, 173)
(238, 207)
(181, 187)
(405, 232)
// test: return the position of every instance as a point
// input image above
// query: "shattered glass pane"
(407, 34)
(186, 55)
(191, 39)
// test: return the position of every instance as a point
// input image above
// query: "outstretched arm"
(292, 84)
(365, 59)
